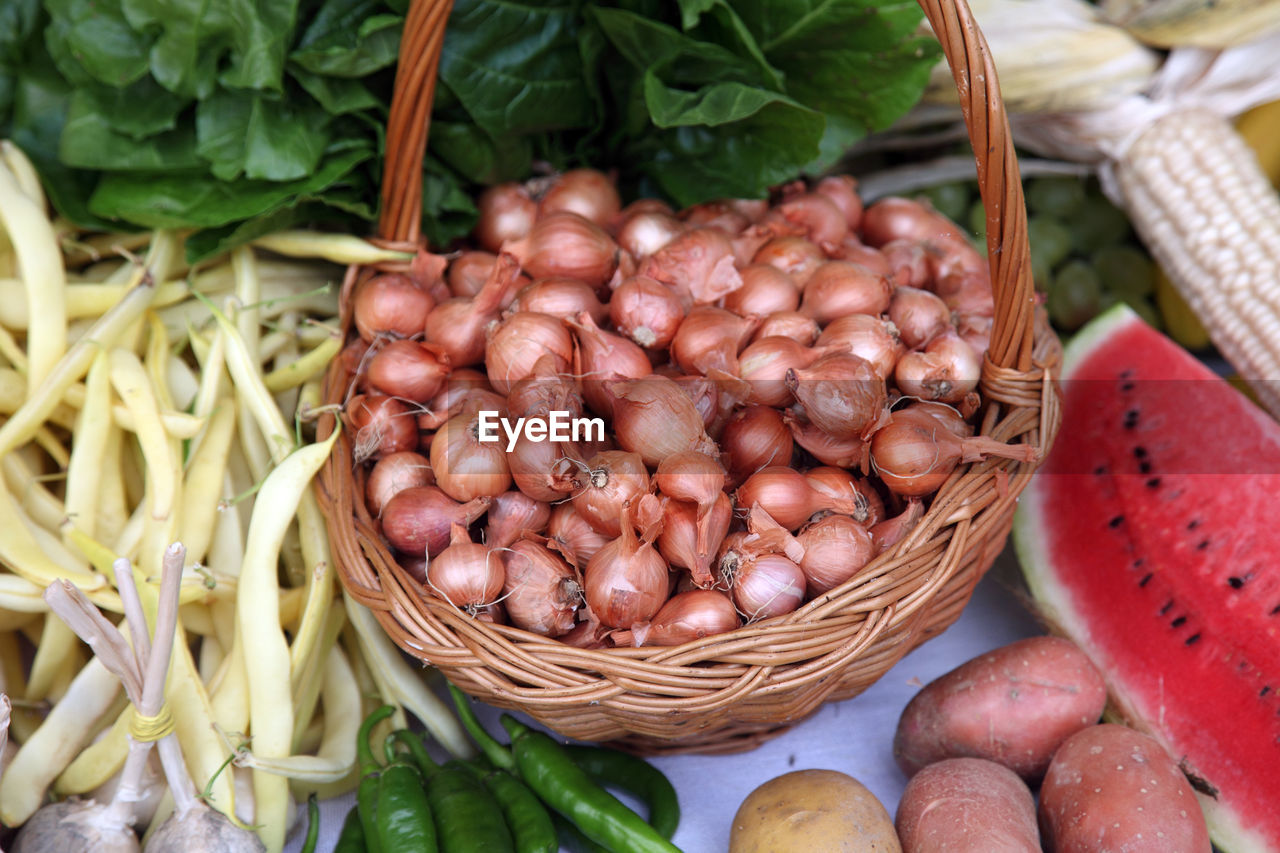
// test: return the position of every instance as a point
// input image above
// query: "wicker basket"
(728, 692)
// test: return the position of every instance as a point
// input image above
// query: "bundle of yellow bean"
(1165, 148)
(143, 402)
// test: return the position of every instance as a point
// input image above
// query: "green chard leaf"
(90, 142)
(516, 66)
(92, 40)
(349, 40)
(261, 137)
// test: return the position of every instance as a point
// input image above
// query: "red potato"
(967, 805)
(1112, 788)
(1013, 706)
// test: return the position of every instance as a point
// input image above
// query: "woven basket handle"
(999, 180)
(401, 217)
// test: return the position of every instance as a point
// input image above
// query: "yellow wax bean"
(100, 760)
(202, 486)
(135, 389)
(93, 428)
(43, 278)
(339, 248)
(62, 735)
(57, 641)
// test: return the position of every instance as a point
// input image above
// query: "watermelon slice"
(1150, 537)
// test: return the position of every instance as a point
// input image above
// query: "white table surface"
(854, 736)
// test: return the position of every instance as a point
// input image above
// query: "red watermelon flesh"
(1151, 537)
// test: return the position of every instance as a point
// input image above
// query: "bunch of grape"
(1084, 255)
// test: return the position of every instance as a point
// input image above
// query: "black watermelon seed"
(1168, 606)
(1235, 583)
(1127, 373)
(1193, 524)
(1131, 419)
(1139, 563)
(1144, 467)
(1146, 579)
(1100, 470)
(1202, 544)
(1140, 452)
(1115, 522)
(1193, 639)
(1126, 386)
(1179, 622)
(1153, 483)
(1266, 688)
(1275, 611)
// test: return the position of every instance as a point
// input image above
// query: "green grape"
(1049, 237)
(1075, 295)
(1142, 307)
(951, 200)
(978, 221)
(1096, 224)
(1125, 270)
(1057, 197)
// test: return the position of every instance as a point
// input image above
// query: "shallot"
(541, 592)
(626, 581)
(687, 616)
(417, 520)
(914, 454)
(466, 574)
(836, 548)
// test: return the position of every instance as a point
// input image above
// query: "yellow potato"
(817, 811)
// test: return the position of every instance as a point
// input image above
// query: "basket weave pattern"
(726, 692)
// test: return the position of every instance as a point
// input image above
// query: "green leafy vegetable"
(238, 117)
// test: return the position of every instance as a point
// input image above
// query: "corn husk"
(1194, 23)
(1054, 55)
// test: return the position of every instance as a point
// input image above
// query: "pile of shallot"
(777, 390)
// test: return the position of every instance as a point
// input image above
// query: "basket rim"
(972, 509)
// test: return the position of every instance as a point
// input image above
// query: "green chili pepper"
(351, 838)
(635, 776)
(530, 825)
(313, 825)
(405, 822)
(468, 818)
(394, 814)
(564, 786)
(572, 839)
(370, 781)
(498, 754)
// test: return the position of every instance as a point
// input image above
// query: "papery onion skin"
(710, 339)
(646, 311)
(381, 425)
(795, 256)
(507, 213)
(765, 362)
(573, 536)
(417, 520)
(755, 437)
(698, 264)
(764, 586)
(827, 449)
(788, 324)
(822, 221)
(787, 496)
(891, 531)
(654, 418)
(841, 394)
(626, 581)
(691, 476)
(836, 548)
(895, 218)
(687, 616)
(587, 192)
(692, 542)
(914, 454)
(946, 371)
(410, 370)
(646, 232)
(559, 297)
(765, 290)
(603, 485)
(512, 514)
(562, 243)
(840, 484)
(393, 473)
(840, 288)
(466, 574)
(600, 356)
(531, 463)
(872, 338)
(841, 190)
(515, 345)
(459, 326)
(540, 591)
(390, 304)
(919, 316)
(465, 467)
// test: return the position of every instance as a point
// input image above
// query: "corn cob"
(1196, 195)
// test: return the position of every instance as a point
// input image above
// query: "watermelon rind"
(1054, 603)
